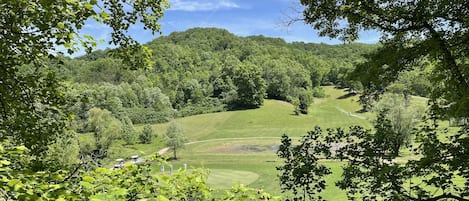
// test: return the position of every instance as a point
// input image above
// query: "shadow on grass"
(242, 107)
(347, 95)
(361, 111)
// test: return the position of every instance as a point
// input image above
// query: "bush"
(318, 92)
(296, 104)
(209, 105)
(148, 115)
(147, 135)
(129, 135)
(305, 100)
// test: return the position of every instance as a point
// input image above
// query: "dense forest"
(205, 70)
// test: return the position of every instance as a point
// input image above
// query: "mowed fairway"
(240, 146)
(273, 119)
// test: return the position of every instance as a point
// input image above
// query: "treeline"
(205, 70)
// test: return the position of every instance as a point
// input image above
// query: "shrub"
(147, 135)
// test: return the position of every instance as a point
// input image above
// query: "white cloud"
(205, 5)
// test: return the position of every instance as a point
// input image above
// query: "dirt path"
(349, 113)
(163, 151)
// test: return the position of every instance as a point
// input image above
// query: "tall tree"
(105, 130)
(129, 135)
(305, 99)
(175, 138)
(403, 118)
(250, 85)
(412, 30)
(31, 104)
(147, 135)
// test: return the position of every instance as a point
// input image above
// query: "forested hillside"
(204, 70)
(63, 120)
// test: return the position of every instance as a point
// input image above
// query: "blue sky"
(241, 17)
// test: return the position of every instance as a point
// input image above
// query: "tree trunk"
(174, 151)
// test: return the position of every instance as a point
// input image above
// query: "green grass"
(239, 146)
(225, 178)
(245, 140)
(273, 119)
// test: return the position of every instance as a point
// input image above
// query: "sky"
(240, 17)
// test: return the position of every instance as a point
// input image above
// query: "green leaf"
(16, 184)
(88, 179)
(87, 185)
(4, 162)
(21, 148)
(60, 25)
(161, 198)
(88, 6)
(120, 191)
(88, 37)
(103, 170)
(104, 15)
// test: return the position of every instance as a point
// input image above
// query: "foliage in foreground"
(31, 97)
(413, 33)
(131, 182)
(33, 114)
(373, 171)
(301, 173)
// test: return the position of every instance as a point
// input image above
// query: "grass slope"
(273, 119)
(245, 141)
(239, 146)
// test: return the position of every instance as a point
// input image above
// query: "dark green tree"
(147, 134)
(129, 135)
(411, 31)
(402, 116)
(277, 79)
(250, 86)
(31, 102)
(305, 98)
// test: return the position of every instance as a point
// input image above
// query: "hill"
(239, 146)
(204, 70)
(217, 81)
(275, 118)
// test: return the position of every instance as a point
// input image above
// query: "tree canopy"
(31, 101)
(411, 31)
(432, 34)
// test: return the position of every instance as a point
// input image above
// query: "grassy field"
(239, 146)
(273, 119)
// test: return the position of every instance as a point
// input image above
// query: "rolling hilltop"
(199, 77)
(203, 70)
